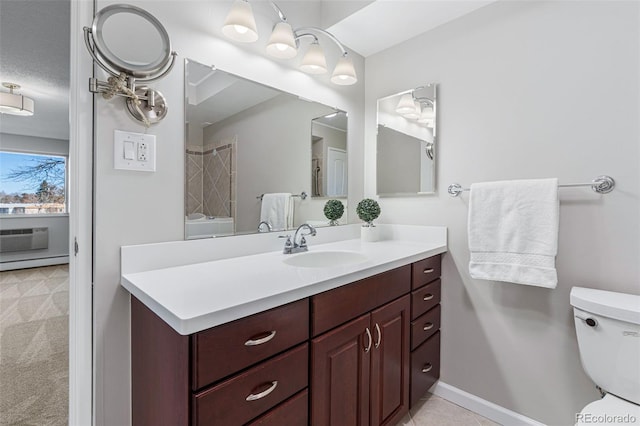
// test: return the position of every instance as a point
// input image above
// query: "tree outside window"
(32, 184)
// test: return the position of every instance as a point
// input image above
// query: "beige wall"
(526, 90)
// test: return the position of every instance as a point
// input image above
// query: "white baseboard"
(34, 263)
(481, 406)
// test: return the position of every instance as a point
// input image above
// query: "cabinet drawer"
(425, 367)
(425, 298)
(251, 393)
(425, 326)
(337, 306)
(226, 349)
(292, 412)
(425, 271)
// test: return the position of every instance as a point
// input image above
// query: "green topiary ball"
(333, 210)
(368, 210)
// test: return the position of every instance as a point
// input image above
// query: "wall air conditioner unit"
(24, 239)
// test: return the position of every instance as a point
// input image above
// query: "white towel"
(513, 231)
(277, 210)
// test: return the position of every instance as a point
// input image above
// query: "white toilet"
(608, 330)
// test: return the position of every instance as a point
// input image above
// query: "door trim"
(80, 221)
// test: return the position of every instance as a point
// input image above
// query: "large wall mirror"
(248, 146)
(406, 140)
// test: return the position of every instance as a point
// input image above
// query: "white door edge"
(80, 220)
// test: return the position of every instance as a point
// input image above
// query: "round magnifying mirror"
(131, 40)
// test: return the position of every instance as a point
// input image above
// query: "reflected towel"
(277, 210)
(513, 231)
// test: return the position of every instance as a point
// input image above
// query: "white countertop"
(194, 297)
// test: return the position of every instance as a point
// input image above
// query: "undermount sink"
(323, 259)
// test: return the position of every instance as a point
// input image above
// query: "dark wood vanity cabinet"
(360, 351)
(254, 369)
(360, 354)
(425, 326)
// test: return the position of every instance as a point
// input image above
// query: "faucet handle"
(303, 242)
(288, 245)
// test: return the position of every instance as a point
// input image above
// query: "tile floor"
(435, 411)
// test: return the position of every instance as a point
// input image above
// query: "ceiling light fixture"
(284, 42)
(240, 25)
(15, 104)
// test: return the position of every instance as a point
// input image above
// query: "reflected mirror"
(406, 140)
(249, 163)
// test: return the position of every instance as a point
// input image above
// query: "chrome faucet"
(291, 247)
(264, 222)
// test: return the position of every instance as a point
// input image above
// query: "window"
(32, 183)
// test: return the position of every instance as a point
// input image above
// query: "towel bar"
(601, 185)
(302, 195)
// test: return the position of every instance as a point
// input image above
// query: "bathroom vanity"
(358, 348)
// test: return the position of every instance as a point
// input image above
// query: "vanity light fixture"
(344, 73)
(314, 61)
(240, 24)
(15, 104)
(284, 42)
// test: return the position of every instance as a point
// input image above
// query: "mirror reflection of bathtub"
(198, 226)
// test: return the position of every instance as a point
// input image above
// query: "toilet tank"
(608, 331)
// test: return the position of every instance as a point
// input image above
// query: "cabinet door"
(340, 361)
(390, 362)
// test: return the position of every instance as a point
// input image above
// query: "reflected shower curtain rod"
(302, 195)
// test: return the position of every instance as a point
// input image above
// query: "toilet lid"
(610, 410)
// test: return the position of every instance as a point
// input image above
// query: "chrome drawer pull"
(428, 326)
(368, 348)
(428, 271)
(262, 394)
(428, 297)
(377, 345)
(256, 342)
(427, 368)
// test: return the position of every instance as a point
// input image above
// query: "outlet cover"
(134, 151)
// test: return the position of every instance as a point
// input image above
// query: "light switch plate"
(134, 151)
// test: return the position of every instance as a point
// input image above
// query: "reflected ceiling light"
(414, 114)
(426, 115)
(15, 104)
(240, 25)
(282, 43)
(314, 61)
(405, 104)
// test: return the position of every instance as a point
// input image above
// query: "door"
(336, 172)
(390, 362)
(340, 361)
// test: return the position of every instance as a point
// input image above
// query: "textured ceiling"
(34, 53)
